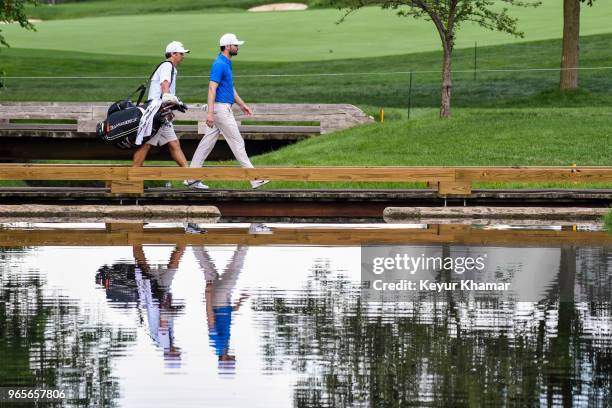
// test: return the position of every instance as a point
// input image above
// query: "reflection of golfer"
(153, 282)
(218, 294)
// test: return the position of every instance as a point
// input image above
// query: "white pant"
(224, 123)
(223, 285)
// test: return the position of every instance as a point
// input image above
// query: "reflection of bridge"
(331, 235)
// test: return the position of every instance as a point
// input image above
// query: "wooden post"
(454, 188)
(127, 187)
(124, 227)
(454, 229)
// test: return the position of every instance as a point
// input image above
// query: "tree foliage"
(13, 11)
(448, 16)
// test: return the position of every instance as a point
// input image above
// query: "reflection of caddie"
(220, 118)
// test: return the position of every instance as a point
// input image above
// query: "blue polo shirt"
(221, 73)
(219, 335)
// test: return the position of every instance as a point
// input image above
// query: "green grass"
(478, 137)
(311, 35)
(608, 221)
(474, 137)
(96, 8)
(498, 89)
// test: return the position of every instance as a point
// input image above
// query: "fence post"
(475, 58)
(410, 95)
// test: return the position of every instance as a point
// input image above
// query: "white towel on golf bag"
(145, 127)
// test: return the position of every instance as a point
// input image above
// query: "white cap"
(229, 39)
(176, 46)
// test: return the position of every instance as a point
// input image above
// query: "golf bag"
(123, 118)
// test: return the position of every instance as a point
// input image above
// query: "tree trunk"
(445, 100)
(571, 45)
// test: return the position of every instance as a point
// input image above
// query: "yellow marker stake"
(382, 115)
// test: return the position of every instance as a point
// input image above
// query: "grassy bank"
(311, 35)
(500, 89)
(475, 137)
(99, 8)
(608, 221)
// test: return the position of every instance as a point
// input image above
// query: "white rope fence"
(329, 74)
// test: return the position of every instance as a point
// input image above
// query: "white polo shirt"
(163, 73)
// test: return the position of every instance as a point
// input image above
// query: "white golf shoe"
(259, 183)
(197, 185)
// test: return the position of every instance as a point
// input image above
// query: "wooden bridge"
(75, 138)
(280, 123)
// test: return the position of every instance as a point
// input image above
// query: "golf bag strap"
(157, 67)
(143, 88)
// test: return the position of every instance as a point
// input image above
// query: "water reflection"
(290, 325)
(552, 353)
(149, 288)
(219, 307)
(48, 340)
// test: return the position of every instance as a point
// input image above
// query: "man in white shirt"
(163, 85)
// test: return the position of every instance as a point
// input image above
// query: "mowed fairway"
(289, 36)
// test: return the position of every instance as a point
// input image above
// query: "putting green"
(288, 36)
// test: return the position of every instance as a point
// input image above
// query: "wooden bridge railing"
(331, 117)
(446, 180)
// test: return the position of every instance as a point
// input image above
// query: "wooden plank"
(454, 187)
(16, 237)
(331, 116)
(45, 112)
(279, 129)
(202, 128)
(125, 226)
(88, 125)
(398, 174)
(195, 111)
(38, 126)
(569, 173)
(303, 109)
(178, 128)
(447, 234)
(451, 180)
(61, 172)
(126, 187)
(445, 229)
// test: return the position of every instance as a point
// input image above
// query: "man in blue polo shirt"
(220, 118)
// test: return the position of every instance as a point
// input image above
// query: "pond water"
(224, 317)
